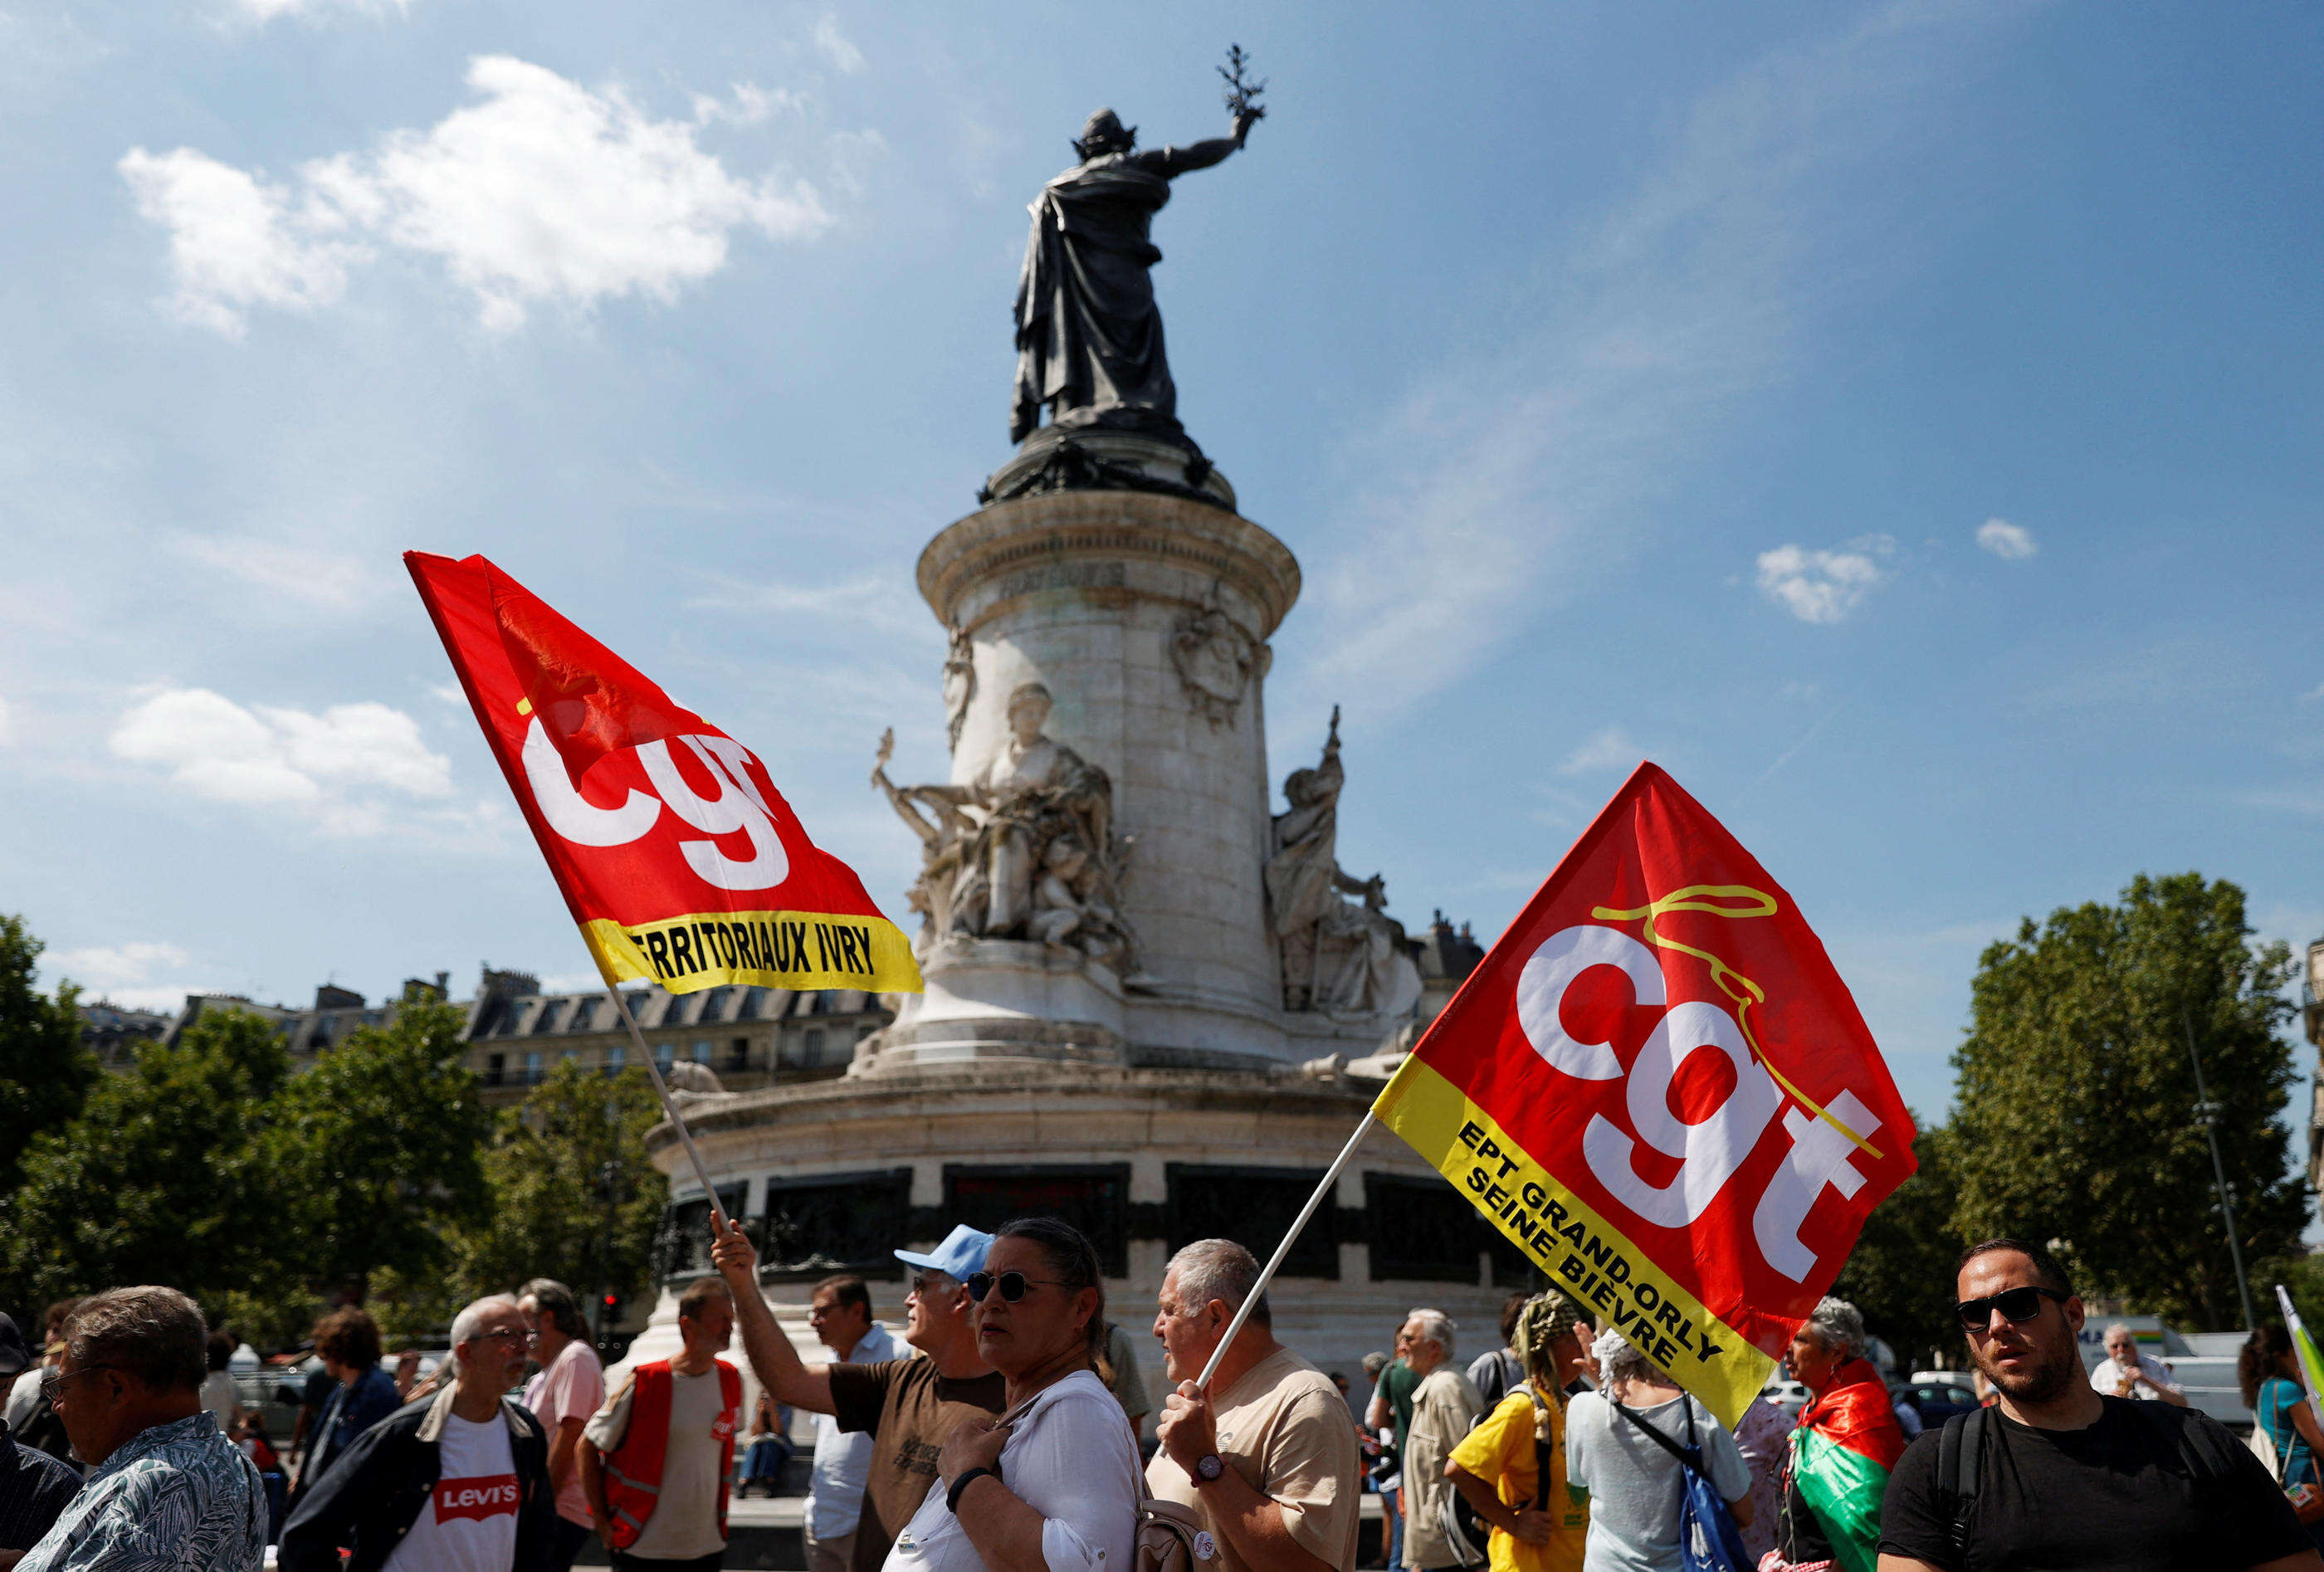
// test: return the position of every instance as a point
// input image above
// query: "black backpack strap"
(1960, 1453)
(2204, 1446)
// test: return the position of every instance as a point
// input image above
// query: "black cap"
(15, 1357)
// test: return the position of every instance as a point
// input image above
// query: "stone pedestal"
(1146, 615)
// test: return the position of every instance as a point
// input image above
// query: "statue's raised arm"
(1089, 338)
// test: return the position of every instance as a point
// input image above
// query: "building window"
(1422, 1229)
(702, 1053)
(665, 1053)
(495, 1068)
(814, 1047)
(532, 1069)
(738, 1054)
(1254, 1206)
(1093, 1197)
(615, 1057)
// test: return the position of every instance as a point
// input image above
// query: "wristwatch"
(1208, 1467)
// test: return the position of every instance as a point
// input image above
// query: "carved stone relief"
(1216, 660)
(959, 683)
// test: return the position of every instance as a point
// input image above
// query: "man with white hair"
(2125, 1372)
(1267, 1458)
(1444, 1405)
(458, 1482)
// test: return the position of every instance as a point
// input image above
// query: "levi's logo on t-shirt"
(488, 1496)
(723, 1427)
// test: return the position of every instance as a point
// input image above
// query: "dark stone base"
(1103, 458)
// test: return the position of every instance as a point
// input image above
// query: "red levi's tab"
(1656, 1086)
(485, 1495)
(675, 855)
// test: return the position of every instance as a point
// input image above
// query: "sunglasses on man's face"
(2018, 1305)
(1011, 1284)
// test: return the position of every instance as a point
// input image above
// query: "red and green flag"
(1658, 1086)
(1846, 1443)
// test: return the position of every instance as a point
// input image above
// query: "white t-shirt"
(1069, 1459)
(684, 1523)
(1635, 1486)
(469, 1522)
(2105, 1376)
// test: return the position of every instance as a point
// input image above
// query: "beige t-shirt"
(1286, 1430)
(685, 1522)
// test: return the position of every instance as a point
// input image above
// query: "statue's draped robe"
(1088, 336)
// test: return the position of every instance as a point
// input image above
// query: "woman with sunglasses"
(1053, 1485)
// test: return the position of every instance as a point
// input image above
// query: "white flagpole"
(661, 1089)
(1242, 1311)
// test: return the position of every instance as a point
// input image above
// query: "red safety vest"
(633, 1469)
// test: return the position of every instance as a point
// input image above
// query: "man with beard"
(2056, 1476)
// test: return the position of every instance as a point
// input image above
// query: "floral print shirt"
(177, 1498)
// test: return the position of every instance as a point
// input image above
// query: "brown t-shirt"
(1286, 1430)
(909, 1411)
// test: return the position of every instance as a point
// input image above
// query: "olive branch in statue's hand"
(1242, 97)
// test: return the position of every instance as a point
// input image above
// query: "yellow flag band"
(764, 949)
(1596, 1266)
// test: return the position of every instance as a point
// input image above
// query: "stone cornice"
(1082, 530)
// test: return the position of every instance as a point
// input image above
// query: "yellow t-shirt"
(1500, 1451)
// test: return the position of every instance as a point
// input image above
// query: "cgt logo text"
(738, 806)
(481, 1496)
(1710, 1147)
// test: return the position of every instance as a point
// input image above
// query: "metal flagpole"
(2209, 1113)
(1242, 1311)
(661, 1089)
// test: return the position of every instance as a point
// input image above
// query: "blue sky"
(1900, 421)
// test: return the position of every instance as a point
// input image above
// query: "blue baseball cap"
(962, 1253)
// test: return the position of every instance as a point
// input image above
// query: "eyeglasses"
(505, 1334)
(1011, 1284)
(2020, 1305)
(52, 1378)
(925, 1283)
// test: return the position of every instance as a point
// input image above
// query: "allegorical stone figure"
(1338, 955)
(1024, 849)
(1089, 338)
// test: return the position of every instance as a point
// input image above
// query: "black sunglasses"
(1011, 1284)
(2020, 1305)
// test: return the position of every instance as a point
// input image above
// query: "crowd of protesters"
(992, 1438)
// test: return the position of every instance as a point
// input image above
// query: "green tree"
(45, 1073)
(574, 1195)
(2077, 1117)
(161, 1178)
(1901, 1272)
(376, 1151)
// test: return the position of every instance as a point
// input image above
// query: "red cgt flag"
(1658, 1086)
(673, 849)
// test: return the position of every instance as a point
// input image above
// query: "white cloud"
(106, 967)
(324, 578)
(8, 724)
(264, 10)
(751, 104)
(544, 191)
(1611, 749)
(235, 242)
(335, 766)
(2010, 542)
(834, 45)
(1823, 587)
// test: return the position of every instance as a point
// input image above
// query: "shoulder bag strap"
(1961, 1451)
(1664, 1442)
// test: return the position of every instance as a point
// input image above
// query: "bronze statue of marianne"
(1089, 339)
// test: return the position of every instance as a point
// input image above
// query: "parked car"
(1934, 1400)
